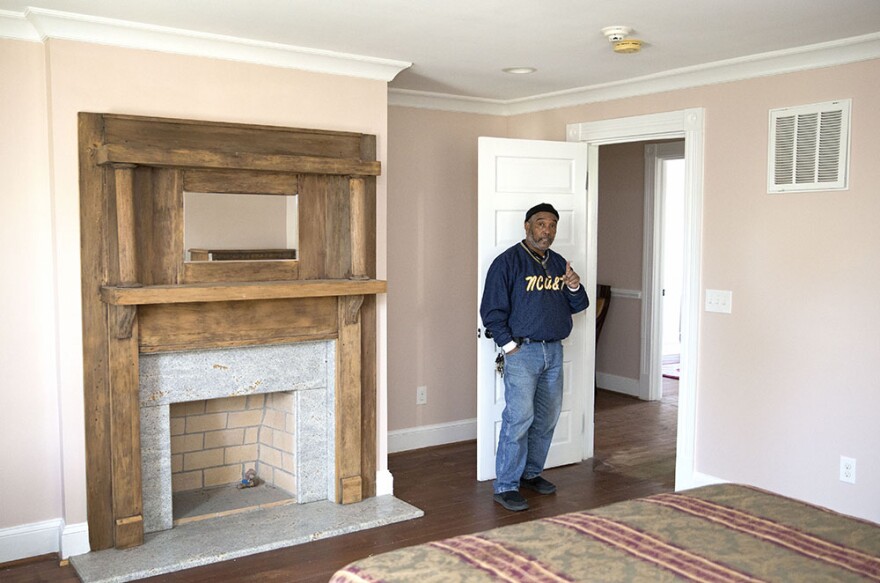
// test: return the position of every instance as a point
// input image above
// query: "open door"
(515, 175)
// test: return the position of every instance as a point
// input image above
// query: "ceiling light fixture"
(519, 70)
(616, 35)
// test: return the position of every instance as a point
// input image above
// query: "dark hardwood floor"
(634, 456)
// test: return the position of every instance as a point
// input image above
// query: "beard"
(542, 243)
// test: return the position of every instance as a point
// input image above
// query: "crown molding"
(40, 25)
(841, 52)
(15, 26)
(446, 102)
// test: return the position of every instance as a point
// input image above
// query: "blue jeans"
(533, 400)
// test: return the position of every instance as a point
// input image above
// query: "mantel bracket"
(124, 321)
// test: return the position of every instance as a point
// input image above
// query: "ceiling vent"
(809, 147)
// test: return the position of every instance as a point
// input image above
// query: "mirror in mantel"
(239, 227)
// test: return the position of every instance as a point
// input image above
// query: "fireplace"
(207, 416)
(149, 305)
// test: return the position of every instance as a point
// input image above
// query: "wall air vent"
(809, 147)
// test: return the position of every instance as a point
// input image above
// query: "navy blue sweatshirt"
(522, 299)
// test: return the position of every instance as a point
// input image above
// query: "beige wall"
(85, 77)
(432, 263)
(786, 383)
(29, 419)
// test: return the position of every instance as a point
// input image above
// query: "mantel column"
(125, 224)
(125, 436)
(349, 483)
(357, 215)
(125, 441)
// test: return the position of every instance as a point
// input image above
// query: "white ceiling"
(459, 47)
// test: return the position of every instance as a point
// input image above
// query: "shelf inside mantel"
(238, 291)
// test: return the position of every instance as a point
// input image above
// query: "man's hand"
(571, 278)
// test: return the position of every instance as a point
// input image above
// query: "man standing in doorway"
(529, 297)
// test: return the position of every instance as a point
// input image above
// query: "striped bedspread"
(717, 533)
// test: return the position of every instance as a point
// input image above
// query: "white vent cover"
(809, 147)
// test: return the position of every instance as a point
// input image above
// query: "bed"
(723, 532)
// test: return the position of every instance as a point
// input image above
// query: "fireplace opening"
(210, 416)
(231, 455)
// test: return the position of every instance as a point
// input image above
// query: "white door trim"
(651, 381)
(687, 124)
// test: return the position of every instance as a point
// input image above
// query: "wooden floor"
(635, 456)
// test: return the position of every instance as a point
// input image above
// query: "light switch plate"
(718, 300)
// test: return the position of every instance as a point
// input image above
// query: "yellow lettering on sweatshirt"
(545, 283)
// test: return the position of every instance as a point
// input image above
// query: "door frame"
(687, 124)
(651, 383)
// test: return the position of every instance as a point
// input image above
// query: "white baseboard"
(43, 538)
(384, 483)
(29, 540)
(75, 539)
(430, 435)
(697, 480)
(619, 384)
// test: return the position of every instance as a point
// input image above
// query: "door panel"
(515, 175)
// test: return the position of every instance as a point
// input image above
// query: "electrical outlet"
(422, 395)
(847, 469)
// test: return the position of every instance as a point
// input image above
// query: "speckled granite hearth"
(220, 539)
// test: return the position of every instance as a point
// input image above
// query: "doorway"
(663, 266)
(687, 124)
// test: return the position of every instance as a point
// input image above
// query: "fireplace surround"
(303, 372)
(142, 300)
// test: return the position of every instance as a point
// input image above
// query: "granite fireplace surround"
(153, 322)
(304, 370)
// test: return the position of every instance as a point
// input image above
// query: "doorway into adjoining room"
(668, 161)
(686, 127)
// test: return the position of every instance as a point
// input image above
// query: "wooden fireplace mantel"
(140, 295)
(250, 290)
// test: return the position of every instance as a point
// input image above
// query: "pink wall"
(432, 263)
(29, 419)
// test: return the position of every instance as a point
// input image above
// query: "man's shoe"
(512, 501)
(538, 484)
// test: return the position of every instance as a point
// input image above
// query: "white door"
(515, 175)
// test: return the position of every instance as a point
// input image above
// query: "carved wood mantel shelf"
(251, 290)
(140, 295)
